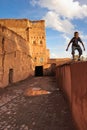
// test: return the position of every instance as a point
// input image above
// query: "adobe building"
(34, 33)
(22, 48)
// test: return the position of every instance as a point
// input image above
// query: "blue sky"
(62, 19)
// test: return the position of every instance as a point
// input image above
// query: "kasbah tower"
(22, 48)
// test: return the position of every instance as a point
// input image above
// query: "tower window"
(34, 42)
(41, 42)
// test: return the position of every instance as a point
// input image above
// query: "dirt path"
(40, 112)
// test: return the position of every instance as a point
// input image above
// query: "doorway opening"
(10, 76)
(39, 71)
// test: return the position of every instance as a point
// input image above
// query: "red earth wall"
(72, 79)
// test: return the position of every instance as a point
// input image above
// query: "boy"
(75, 45)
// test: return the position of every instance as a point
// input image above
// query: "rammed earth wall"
(72, 79)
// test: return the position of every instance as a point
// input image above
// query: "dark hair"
(75, 33)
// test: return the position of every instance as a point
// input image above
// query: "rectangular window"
(34, 42)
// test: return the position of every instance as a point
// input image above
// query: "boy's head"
(76, 34)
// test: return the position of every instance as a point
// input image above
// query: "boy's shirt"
(75, 41)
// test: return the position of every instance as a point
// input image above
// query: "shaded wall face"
(72, 79)
(63, 77)
(79, 94)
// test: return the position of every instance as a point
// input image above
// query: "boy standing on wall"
(75, 45)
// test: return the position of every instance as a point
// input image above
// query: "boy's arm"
(69, 45)
(83, 46)
(82, 43)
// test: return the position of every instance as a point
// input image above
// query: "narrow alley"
(46, 111)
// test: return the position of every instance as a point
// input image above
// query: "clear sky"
(62, 17)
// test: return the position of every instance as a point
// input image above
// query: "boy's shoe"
(79, 59)
(73, 59)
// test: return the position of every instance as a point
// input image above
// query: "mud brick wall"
(34, 33)
(14, 57)
(37, 37)
(72, 79)
(63, 78)
(17, 25)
